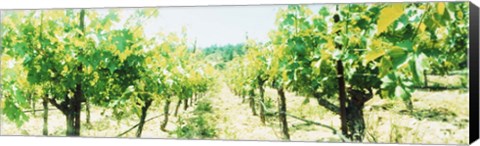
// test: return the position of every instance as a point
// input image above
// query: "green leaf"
(289, 20)
(404, 19)
(416, 74)
(388, 86)
(388, 81)
(384, 67)
(119, 42)
(398, 56)
(112, 67)
(323, 11)
(406, 45)
(20, 98)
(33, 77)
(95, 62)
(374, 54)
(14, 113)
(20, 49)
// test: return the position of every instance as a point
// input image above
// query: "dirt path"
(235, 119)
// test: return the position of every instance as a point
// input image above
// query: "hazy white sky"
(218, 24)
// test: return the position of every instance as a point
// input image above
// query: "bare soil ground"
(438, 117)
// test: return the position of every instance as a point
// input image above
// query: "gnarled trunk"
(147, 105)
(185, 104)
(70, 125)
(355, 120)
(282, 109)
(262, 99)
(166, 114)
(45, 116)
(252, 102)
(77, 109)
(71, 109)
(177, 107)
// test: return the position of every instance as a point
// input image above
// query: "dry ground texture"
(438, 117)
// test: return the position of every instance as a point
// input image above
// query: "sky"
(218, 25)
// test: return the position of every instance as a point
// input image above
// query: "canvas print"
(360, 72)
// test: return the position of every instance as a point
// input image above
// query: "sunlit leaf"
(440, 8)
(388, 15)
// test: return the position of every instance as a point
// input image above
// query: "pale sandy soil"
(438, 117)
